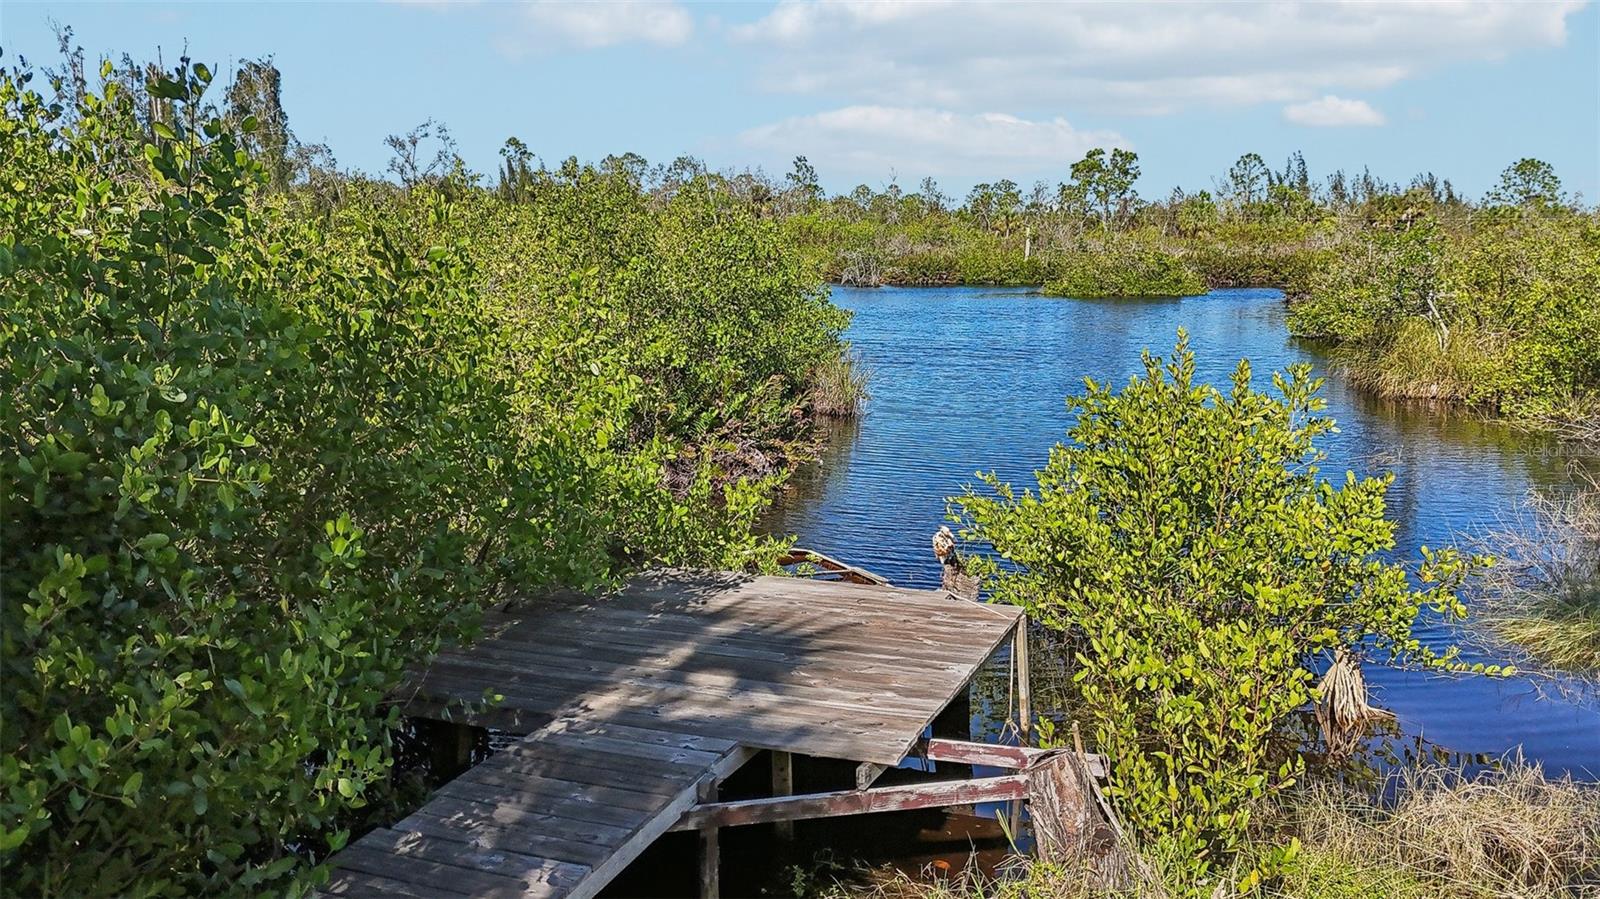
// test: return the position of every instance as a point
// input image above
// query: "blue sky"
(871, 92)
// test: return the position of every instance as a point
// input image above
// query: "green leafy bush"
(1125, 267)
(196, 640)
(1495, 311)
(1186, 543)
(261, 450)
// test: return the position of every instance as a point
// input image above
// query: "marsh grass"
(1509, 832)
(1544, 595)
(1563, 630)
(1415, 363)
(839, 386)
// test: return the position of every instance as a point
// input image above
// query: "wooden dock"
(633, 707)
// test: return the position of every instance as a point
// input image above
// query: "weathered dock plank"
(634, 706)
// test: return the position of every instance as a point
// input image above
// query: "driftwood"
(955, 578)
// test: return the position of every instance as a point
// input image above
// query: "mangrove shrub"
(1185, 542)
(261, 450)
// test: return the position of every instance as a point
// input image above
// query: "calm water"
(969, 379)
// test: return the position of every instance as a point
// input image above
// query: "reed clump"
(1508, 832)
(1418, 362)
(1544, 595)
(839, 386)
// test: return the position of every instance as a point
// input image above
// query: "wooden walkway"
(634, 706)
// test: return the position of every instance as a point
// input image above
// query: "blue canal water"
(969, 379)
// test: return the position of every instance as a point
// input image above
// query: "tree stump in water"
(1342, 710)
(1071, 827)
(955, 579)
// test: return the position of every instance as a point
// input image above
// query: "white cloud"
(874, 141)
(1128, 57)
(1332, 112)
(605, 23)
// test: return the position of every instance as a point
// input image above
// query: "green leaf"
(11, 838)
(152, 542)
(71, 463)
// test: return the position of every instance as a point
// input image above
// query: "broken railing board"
(995, 755)
(935, 794)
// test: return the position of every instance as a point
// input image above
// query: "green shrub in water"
(1125, 267)
(1186, 542)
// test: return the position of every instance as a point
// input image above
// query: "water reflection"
(969, 379)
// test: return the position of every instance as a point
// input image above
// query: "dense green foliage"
(1495, 307)
(272, 432)
(1185, 542)
(1125, 267)
(1091, 235)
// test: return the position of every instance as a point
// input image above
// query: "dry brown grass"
(1021, 880)
(1507, 833)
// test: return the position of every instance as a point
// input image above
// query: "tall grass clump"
(1417, 362)
(1508, 832)
(839, 386)
(1544, 595)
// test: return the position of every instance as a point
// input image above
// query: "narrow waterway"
(970, 379)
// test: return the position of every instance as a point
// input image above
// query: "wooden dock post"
(710, 851)
(783, 785)
(1019, 643)
(1019, 658)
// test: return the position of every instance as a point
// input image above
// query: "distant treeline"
(1491, 303)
